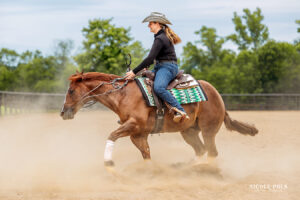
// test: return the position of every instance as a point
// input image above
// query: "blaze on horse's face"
(73, 100)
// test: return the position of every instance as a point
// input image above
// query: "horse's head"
(74, 97)
(81, 88)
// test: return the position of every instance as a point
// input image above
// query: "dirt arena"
(44, 157)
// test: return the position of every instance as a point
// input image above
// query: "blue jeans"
(164, 74)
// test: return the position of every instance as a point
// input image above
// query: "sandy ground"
(44, 157)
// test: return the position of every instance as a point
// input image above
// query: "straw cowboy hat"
(157, 17)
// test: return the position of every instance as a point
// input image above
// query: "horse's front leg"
(140, 141)
(126, 129)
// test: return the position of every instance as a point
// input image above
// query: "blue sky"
(38, 24)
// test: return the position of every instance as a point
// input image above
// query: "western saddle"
(181, 81)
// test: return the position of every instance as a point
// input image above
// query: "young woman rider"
(166, 67)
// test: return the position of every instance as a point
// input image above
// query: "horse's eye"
(71, 92)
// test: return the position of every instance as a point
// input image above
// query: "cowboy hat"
(157, 17)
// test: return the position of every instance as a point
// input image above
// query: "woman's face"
(154, 27)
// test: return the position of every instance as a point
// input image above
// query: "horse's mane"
(92, 76)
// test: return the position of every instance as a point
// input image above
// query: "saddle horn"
(128, 65)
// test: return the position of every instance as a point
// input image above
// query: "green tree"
(197, 58)
(298, 22)
(211, 62)
(9, 58)
(193, 58)
(250, 33)
(243, 77)
(275, 60)
(8, 64)
(37, 70)
(7, 78)
(137, 53)
(105, 47)
(62, 53)
(64, 64)
(212, 42)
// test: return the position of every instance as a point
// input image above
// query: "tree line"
(260, 65)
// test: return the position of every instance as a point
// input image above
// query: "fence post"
(5, 109)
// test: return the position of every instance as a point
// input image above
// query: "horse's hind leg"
(210, 144)
(140, 141)
(191, 136)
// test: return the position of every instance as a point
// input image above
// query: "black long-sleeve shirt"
(162, 49)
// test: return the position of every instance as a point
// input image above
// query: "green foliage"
(31, 71)
(211, 63)
(260, 66)
(36, 70)
(64, 65)
(212, 42)
(105, 47)
(8, 57)
(243, 76)
(251, 33)
(7, 78)
(8, 60)
(193, 58)
(298, 22)
(276, 60)
(137, 53)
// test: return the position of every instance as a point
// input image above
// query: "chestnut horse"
(138, 120)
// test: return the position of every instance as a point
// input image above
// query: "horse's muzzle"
(67, 113)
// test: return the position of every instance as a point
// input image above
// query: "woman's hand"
(129, 75)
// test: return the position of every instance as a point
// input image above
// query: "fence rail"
(262, 101)
(22, 102)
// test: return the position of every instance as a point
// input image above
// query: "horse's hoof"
(212, 161)
(109, 163)
(198, 160)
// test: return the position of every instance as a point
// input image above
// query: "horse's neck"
(120, 101)
(111, 100)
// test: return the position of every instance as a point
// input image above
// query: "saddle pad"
(183, 96)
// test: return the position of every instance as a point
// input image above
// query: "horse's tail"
(241, 127)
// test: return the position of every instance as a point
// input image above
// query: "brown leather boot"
(179, 115)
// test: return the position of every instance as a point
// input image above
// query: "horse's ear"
(82, 71)
(77, 72)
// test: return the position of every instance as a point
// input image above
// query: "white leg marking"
(108, 150)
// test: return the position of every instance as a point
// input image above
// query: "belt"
(166, 61)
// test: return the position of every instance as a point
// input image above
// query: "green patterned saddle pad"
(183, 96)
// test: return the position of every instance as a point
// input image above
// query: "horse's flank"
(93, 76)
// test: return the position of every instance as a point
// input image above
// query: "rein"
(115, 85)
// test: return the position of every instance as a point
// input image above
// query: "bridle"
(115, 85)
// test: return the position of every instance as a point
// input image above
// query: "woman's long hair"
(173, 37)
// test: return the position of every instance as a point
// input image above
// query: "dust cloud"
(44, 157)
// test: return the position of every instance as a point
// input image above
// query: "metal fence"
(21, 102)
(262, 101)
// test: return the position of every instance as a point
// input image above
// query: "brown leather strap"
(159, 118)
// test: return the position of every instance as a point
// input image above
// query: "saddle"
(181, 81)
